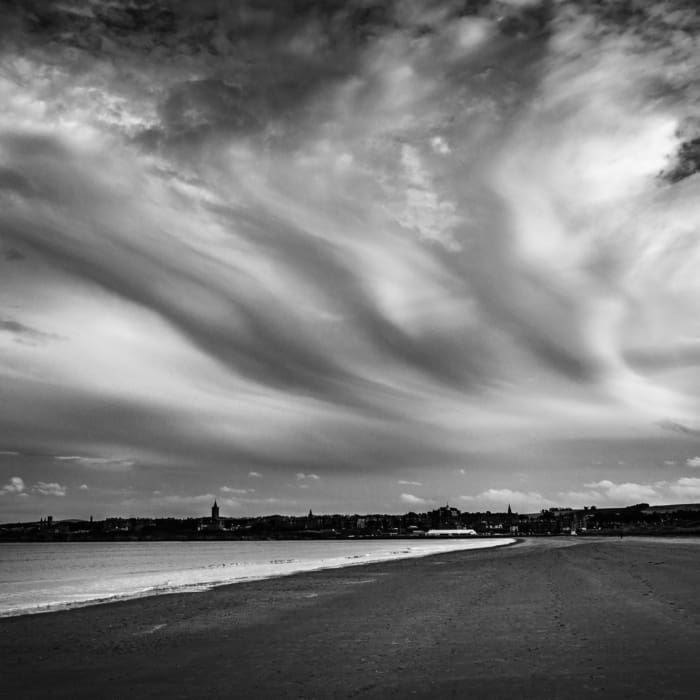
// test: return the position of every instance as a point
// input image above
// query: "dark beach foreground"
(552, 618)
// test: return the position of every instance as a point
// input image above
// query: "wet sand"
(550, 618)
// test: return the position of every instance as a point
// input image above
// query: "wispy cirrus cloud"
(106, 462)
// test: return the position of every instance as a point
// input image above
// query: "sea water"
(39, 577)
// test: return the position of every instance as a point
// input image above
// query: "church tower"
(215, 513)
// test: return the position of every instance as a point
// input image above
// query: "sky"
(348, 256)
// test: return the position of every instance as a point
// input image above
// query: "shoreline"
(555, 618)
(203, 587)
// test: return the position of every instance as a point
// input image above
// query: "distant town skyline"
(215, 514)
(443, 522)
(346, 255)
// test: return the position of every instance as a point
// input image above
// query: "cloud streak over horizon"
(371, 244)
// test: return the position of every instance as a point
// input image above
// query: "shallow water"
(39, 577)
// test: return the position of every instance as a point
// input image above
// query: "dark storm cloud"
(258, 61)
(687, 162)
(256, 65)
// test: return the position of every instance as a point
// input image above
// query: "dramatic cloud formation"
(441, 243)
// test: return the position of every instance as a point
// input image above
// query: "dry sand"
(549, 618)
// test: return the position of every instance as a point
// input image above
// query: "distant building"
(312, 522)
(460, 532)
(444, 518)
(673, 508)
(212, 524)
(511, 522)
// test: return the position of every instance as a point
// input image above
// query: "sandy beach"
(550, 618)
